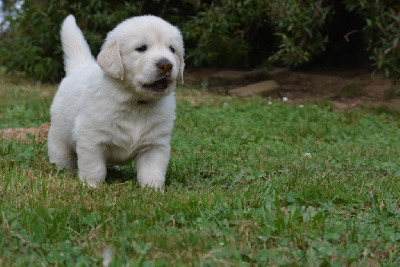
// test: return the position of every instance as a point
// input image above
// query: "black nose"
(164, 66)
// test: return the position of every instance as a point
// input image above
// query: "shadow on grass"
(118, 174)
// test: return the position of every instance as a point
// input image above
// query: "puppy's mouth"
(157, 86)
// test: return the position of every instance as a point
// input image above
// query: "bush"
(298, 27)
(302, 29)
(217, 33)
(228, 33)
(32, 42)
(382, 31)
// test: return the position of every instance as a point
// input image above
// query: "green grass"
(240, 190)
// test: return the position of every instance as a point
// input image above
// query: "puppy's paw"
(91, 183)
(156, 185)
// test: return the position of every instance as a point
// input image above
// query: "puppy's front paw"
(158, 185)
(92, 167)
(91, 183)
(95, 180)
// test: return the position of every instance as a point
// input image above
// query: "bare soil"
(27, 135)
(345, 89)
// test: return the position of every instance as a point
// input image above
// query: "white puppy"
(120, 108)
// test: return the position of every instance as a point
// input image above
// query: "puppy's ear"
(110, 60)
(181, 69)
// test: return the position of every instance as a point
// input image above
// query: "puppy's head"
(146, 53)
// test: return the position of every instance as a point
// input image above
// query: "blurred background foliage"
(221, 33)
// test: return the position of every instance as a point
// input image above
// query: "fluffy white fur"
(120, 108)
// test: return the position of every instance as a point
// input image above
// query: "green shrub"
(227, 33)
(217, 33)
(301, 28)
(298, 28)
(382, 33)
(32, 43)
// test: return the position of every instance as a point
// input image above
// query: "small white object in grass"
(301, 106)
(225, 105)
(284, 98)
(307, 155)
(107, 255)
(269, 102)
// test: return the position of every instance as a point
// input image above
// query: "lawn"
(249, 183)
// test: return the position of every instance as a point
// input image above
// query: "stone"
(264, 89)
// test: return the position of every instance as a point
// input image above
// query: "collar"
(143, 102)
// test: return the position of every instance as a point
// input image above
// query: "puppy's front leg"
(151, 166)
(92, 165)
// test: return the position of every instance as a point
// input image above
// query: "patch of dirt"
(345, 89)
(27, 135)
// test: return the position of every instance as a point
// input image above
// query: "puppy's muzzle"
(164, 66)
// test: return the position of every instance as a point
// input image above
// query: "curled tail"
(76, 49)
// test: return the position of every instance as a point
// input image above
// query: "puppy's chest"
(130, 136)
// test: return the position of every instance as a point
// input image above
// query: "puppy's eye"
(172, 49)
(141, 48)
